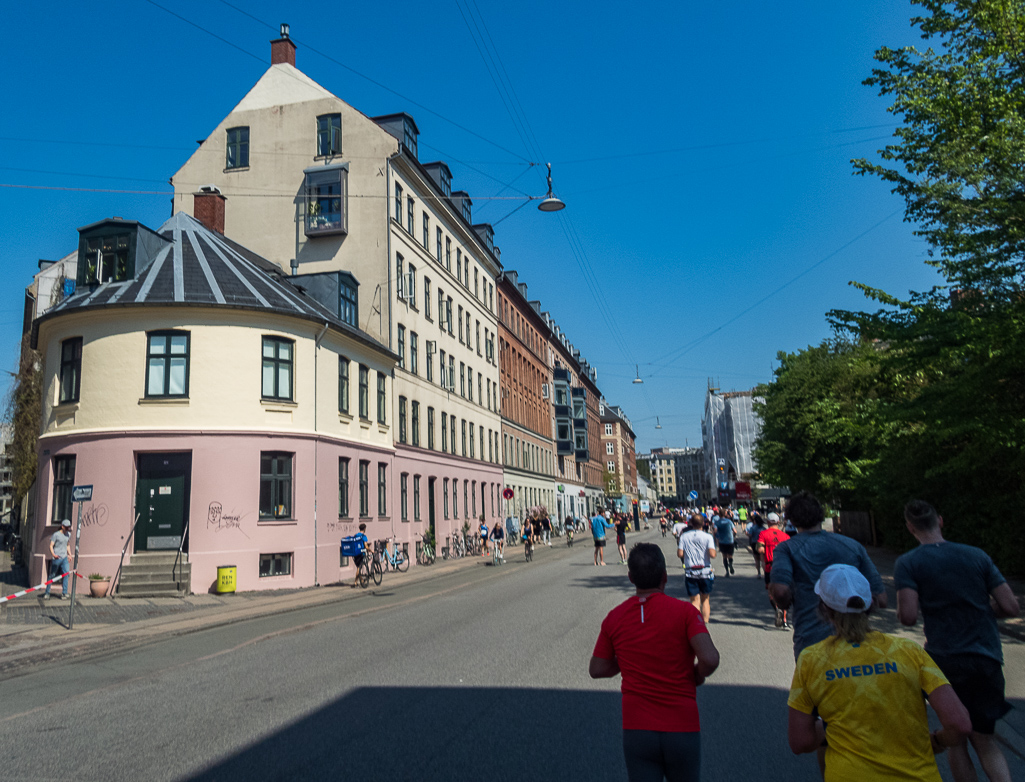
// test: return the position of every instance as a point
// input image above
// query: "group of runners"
(858, 696)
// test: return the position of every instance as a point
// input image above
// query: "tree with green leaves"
(954, 356)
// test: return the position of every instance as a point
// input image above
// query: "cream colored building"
(316, 186)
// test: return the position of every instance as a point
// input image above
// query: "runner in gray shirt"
(798, 563)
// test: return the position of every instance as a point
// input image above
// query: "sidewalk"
(34, 631)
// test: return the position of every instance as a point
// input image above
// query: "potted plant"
(98, 584)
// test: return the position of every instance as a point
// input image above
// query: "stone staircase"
(149, 574)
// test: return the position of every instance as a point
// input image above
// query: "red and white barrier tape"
(40, 586)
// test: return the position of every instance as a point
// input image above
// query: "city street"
(480, 673)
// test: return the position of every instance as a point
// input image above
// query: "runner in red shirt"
(663, 650)
(767, 541)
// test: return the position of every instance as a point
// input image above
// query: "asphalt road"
(478, 674)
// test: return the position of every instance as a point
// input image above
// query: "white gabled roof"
(282, 84)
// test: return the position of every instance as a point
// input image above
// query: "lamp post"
(550, 203)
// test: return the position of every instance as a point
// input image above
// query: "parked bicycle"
(454, 549)
(396, 559)
(424, 552)
(370, 568)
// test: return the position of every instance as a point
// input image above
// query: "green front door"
(161, 501)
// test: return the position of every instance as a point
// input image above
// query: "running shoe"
(779, 618)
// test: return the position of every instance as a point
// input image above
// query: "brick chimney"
(208, 208)
(282, 49)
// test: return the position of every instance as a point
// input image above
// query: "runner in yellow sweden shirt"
(867, 688)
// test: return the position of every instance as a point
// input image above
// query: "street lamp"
(658, 424)
(637, 380)
(550, 202)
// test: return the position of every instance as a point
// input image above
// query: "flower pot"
(98, 587)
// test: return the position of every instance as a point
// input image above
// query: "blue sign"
(81, 493)
(692, 496)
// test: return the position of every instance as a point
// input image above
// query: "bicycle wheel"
(428, 555)
(401, 562)
(527, 552)
(376, 573)
(364, 574)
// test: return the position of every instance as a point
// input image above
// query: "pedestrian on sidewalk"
(754, 529)
(696, 551)
(663, 650)
(725, 537)
(953, 584)
(59, 565)
(797, 564)
(546, 528)
(768, 540)
(598, 526)
(862, 691)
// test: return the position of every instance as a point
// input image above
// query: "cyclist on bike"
(357, 560)
(528, 534)
(483, 530)
(570, 524)
(498, 540)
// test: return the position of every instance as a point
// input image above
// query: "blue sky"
(703, 151)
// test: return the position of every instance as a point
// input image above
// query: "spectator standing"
(952, 584)
(482, 529)
(696, 550)
(622, 524)
(767, 543)
(59, 565)
(867, 688)
(797, 564)
(725, 536)
(598, 526)
(546, 528)
(663, 650)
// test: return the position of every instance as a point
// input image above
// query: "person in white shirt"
(697, 550)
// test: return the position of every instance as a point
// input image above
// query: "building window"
(480, 395)
(71, 369)
(444, 432)
(437, 234)
(452, 432)
(348, 305)
(63, 481)
(343, 384)
(444, 376)
(466, 504)
(414, 422)
(471, 441)
(427, 230)
(409, 215)
(382, 400)
(398, 203)
(402, 419)
(476, 283)
(608, 431)
(455, 499)
(238, 148)
(329, 135)
(473, 497)
(462, 379)
(448, 253)
(459, 264)
(610, 449)
(416, 498)
(402, 346)
(105, 259)
(275, 485)
(277, 368)
(452, 372)
(403, 500)
(343, 488)
(448, 314)
(477, 323)
(382, 489)
(400, 277)
(611, 466)
(364, 490)
(167, 363)
(480, 430)
(444, 497)
(364, 392)
(430, 428)
(414, 347)
(460, 325)
(427, 298)
(462, 423)
(275, 565)
(327, 192)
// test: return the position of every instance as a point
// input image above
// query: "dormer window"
(349, 304)
(446, 182)
(327, 190)
(466, 209)
(409, 136)
(106, 259)
(329, 135)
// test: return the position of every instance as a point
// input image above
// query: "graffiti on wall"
(96, 516)
(344, 528)
(218, 520)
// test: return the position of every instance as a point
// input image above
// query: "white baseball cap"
(773, 517)
(839, 584)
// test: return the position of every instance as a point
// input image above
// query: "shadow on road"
(423, 733)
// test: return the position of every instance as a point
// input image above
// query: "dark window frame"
(343, 487)
(329, 135)
(63, 481)
(277, 363)
(277, 482)
(343, 385)
(167, 358)
(236, 154)
(70, 371)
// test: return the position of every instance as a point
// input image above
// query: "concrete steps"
(150, 574)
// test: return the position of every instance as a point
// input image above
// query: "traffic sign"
(692, 496)
(81, 493)
(508, 493)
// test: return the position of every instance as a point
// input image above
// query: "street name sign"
(81, 493)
